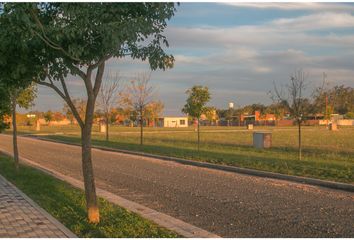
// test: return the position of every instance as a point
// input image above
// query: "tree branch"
(88, 84)
(98, 79)
(52, 86)
(98, 63)
(78, 71)
(46, 40)
(65, 97)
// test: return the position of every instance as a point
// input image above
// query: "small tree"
(294, 100)
(19, 67)
(198, 97)
(108, 98)
(137, 96)
(23, 98)
(48, 116)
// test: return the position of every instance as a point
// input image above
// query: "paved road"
(228, 204)
(20, 217)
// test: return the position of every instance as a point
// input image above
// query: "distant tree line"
(336, 100)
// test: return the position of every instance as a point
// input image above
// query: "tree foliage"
(198, 97)
(153, 110)
(338, 99)
(25, 98)
(5, 107)
(48, 116)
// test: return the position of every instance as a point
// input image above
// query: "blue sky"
(239, 49)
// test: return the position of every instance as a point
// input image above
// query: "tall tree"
(23, 98)
(198, 97)
(138, 95)
(338, 99)
(19, 66)
(78, 39)
(108, 98)
(294, 100)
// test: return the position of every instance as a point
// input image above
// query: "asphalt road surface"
(228, 204)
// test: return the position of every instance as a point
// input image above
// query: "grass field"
(326, 154)
(67, 204)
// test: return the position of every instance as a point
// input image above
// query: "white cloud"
(312, 6)
(296, 32)
(326, 20)
(256, 37)
(263, 69)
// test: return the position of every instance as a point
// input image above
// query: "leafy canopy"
(26, 97)
(87, 34)
(20, 62)
(196, 101)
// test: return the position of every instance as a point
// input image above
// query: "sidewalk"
(20, 217)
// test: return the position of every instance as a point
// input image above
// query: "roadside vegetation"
(67, 204)
(326, 154)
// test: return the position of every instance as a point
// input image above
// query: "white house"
(172, 122)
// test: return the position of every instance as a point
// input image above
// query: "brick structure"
(20, 217)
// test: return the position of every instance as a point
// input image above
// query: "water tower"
(231, 105)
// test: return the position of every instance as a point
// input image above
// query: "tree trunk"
(14, 133)
(198, 134)
(141, 126)
(107, 136)
(87, 167)
(300, 147)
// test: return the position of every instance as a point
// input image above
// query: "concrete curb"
(58, 224)
(164, 220)
(258, 173)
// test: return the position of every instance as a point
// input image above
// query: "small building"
(172, 122)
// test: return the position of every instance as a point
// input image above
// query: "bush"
(3, 126)
(349, 115)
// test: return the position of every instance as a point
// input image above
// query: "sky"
(239, 50)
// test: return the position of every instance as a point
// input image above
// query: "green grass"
(327, 154)
(67, 204)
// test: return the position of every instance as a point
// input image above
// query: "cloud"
(299, 32)
(312, 6)
(324, 20)
(253, 37)
(263, 69)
